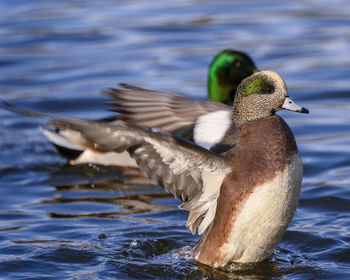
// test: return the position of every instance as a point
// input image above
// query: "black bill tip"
(304, 110)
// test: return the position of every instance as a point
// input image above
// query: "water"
(90, 222)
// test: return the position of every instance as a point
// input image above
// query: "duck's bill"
(290, 105)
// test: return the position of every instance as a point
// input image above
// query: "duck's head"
(261, 95)
(226, 71)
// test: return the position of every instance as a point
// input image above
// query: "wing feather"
(155, 109)
(186, 170)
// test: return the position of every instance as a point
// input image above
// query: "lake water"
(91, 222)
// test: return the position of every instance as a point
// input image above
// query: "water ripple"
(88, 221)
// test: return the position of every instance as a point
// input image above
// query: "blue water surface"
(94, 222)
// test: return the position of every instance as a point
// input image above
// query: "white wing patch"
(211, 128)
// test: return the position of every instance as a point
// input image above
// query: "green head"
(226, 71)
(261, 95)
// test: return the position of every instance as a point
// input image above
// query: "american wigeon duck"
(242, 200)
(226, 71)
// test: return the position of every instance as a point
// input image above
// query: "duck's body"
(241, 192)
(263, 189)
(170, 112)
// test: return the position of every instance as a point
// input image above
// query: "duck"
(241, 200)
(226, 71)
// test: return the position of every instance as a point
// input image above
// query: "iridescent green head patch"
(226, 72)
(258, 85)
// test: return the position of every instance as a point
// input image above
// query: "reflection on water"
(128, 189)
(88, 221)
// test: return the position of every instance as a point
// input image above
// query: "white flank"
(265, 217)
(211, 128)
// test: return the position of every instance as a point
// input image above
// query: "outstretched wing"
(189, 172)
(155, 109)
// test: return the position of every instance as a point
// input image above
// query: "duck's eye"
(238, 64)
(269, 89)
